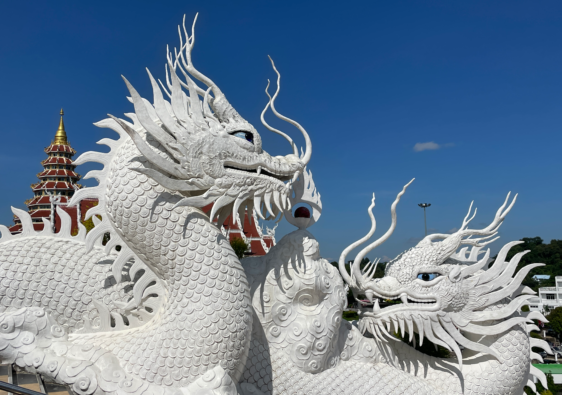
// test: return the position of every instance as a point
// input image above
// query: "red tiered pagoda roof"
(57, 182)
(259, 243)
(250, 231)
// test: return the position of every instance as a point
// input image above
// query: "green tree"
(555, 320)
(89, 223)
(239, 246)
(552, 388)
(550, 254)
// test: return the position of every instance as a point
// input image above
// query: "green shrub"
(239, 246)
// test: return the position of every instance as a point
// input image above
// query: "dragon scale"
(353, 363)
(203, 278)
(480, 375)
(174, 312)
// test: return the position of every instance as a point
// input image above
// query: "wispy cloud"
(453, 230)
(430, 146)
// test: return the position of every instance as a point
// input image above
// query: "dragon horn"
(221, 107)
(341, 263)
(356, 270)
(305, 158)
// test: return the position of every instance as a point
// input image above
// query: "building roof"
(44, 200)
(59, 178)
(41, 213)
(256, 248)
(551, 368)
(57, 160)
(15, 228)
(60, 143)
(249, 232)
(58, 173)
(48, 185)
(60, 148)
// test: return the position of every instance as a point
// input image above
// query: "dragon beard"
(495, 297)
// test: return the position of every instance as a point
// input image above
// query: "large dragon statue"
(165, 307)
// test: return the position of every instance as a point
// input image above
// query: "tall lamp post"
(424, 205)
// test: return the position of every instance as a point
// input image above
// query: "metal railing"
(13, 381)
(16, 389)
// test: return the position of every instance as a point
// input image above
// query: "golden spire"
(60, 135)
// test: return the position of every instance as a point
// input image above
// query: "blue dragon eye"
(245, 135)
(428, 276)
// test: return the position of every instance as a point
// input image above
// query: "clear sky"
(463, 96)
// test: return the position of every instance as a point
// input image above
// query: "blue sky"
(374, 83)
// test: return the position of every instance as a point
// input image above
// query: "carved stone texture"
(173, 311)
(299, 341)
(455, 301)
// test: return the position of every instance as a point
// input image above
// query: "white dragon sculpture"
(165, 307)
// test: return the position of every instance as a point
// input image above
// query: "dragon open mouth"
(260, 171)
(390, 304)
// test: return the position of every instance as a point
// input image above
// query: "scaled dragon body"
(174, 311)
(456, 301)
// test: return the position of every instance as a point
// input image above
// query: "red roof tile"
(257, 248)
(60, 148)
(41, 213)
(56, 160)
(250, 231)
(46, 185)
(268, 241)
(15, 228)
(58, 173)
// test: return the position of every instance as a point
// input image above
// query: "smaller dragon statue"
(457, 300)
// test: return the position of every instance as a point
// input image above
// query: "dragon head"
(199, 146)
(440, 294)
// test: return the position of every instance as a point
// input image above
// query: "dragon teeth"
(276, 197)
(258, 207)
(284, 200)
(267, 200)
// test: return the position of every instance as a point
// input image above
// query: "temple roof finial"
(60, 135)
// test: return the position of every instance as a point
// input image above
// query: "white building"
(548, 297)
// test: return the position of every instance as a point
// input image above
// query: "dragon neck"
(480, 372)
(203, 278)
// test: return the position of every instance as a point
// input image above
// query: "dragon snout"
(387, 284)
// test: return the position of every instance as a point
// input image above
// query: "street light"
(424, 205)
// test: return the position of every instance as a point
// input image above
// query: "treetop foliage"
(550, 254)
(555, 320)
